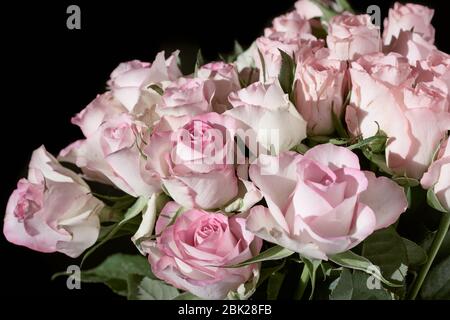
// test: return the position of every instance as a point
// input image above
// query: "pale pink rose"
(320, 84)
(187, 96)
(408, 17)
(307, 9)
(226, 80)
(351, 36)
(270, 47)
(412, 46)
(436, 65)
(53, 210)
(111, 154)
(438, 175)
(267, 115)
(191, 254)
(130, 82)
(289, 25)
(193, 158)
(414, 115)
(322, 203)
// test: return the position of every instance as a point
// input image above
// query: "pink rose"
(351, 36)
(111, 154)
(53, 210)
(321, 203)
(290, 26)
(412, 46)
(270, 47)
(438, 175)
(266, 113)
(307, 9)
(187, 96)
(435, 66)
(414, 115)
(190, 253)
(130, 82)
(319, 90)
(226, 80)
(408, 17)
(193, 158)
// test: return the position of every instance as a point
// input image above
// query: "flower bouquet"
(313, 165)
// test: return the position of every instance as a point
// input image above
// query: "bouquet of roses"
(315, 164)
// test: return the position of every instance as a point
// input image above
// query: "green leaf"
(267, 272)
(199, 62)
(416, 255)
(273, 253)
(274, 284)
(376, 140)
(386, 249)
(343, 289)
(144, 288)
(338, 125)
(406, 182)
(437, 282)
(157, 88)
(132, 212)
(327, 13)
(114, 271)
(300, 148)
(263, 65)
(378, 159)
(287, 72)
(357, 286)
(311, 265)
(433, 201)
(349, 259)
(237, 48)
(345, 6)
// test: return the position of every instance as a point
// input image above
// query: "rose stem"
(304, 279)
(438, 238)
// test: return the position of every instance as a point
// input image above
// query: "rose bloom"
(414, 115)
(266, 113)
(111, 151)
(226, 80)
(130, 82)
(52, 210)
(412, 46)
(408, 17)
(438, 175)
(193, 158)
(351, 36)
(270, 46)
(191, 253)
(322, 203)
(320, 84)
(308, 9)
(435, 66)
(290, 25)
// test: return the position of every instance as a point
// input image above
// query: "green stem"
(304, 280)
(438, 238)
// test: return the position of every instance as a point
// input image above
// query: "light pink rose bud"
(112, 155)
(191, 254)
(412, 46)
(187, 96)
(270, 47)
(438, 175)
(193, 158)
(319, 90)
(322, 203)
(53, 210)
(351, 36)
(130, 81)
(408, 17)
(290, 25)
(226, 80)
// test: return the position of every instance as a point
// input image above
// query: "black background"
(49, 73)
